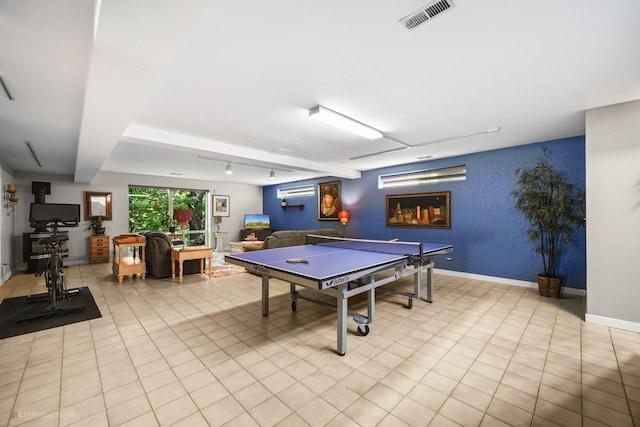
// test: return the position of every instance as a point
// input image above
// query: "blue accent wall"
(488, 234)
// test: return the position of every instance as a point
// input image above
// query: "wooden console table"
(129, 263)
(192, 252)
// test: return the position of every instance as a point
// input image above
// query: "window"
(151, 209)
(287, 193)
(430, 176)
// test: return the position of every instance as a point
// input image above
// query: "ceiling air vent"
(426, 13)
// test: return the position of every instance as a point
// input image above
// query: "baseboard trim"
(513, 282)
(612, 323)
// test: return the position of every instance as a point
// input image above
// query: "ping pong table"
(343, 268)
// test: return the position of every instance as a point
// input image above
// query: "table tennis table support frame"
(343, 292)
(428, 265)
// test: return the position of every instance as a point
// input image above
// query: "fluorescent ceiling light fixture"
(228, 169)
(290, 192)
(343, 122)
(432, 176)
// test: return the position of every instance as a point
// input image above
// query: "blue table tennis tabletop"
(325, 262)
(343, 268)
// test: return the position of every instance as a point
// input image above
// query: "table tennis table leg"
(265, 295)
(371, 305)
(342, 306)
(429, 283)
(417, 282)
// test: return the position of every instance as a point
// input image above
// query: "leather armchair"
(158, 256)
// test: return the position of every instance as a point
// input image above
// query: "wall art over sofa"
(428, 210)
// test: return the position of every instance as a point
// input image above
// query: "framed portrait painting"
(427, 210)
(329, 203)
(221, 205)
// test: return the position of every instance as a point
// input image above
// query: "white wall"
(243, 199)
(7, 258)
(613, 215)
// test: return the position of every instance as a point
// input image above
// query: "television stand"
(260, 234)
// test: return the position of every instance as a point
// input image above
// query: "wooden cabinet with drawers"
(98, 249)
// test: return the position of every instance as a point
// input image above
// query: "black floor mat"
(12, 308)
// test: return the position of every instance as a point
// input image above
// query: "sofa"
(281, 239)
(158, 256)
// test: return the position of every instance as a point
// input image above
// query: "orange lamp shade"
(344, 217)
(182, 216)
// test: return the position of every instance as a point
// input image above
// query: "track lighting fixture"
(272, 174)
(228, 169)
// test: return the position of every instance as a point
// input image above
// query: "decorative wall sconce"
(344, 217)
(10, 198)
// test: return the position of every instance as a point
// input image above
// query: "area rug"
(227, 270)
(12, 308)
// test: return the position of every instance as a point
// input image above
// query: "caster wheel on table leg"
(363, 330)
(294, 305)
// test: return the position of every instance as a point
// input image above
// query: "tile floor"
(201, 353)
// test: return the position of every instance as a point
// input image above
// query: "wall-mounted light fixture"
(228, 169)
(344, 217)
(10, 198)
(272, 174)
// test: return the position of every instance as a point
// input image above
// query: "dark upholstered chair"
(158, 256)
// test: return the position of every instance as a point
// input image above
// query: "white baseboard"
(612, 323)
(589, 318)
(513, 282)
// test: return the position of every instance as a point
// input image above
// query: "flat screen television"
(42, 215)
(257, 222)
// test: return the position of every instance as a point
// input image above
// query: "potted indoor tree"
(553, 207)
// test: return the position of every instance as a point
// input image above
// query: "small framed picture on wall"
(221, 205)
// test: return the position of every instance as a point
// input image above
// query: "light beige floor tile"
(461, 413)
(317, 412)
(607, 415)
(412, 413)
(128, 410)
(201, 354)
(365, 412)
(175, 410)
(270, 412)
(472, 397)
(82, 410)
(557, 414)
(296, 396)
(252, 395)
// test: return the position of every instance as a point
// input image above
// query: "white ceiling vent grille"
(426, 13)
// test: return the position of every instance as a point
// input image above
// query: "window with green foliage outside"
(151, 209)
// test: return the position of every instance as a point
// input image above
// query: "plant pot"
(549, 286)
(172, 229)
(99, 231)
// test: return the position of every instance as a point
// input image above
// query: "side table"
(125, 261)
(190, 252)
